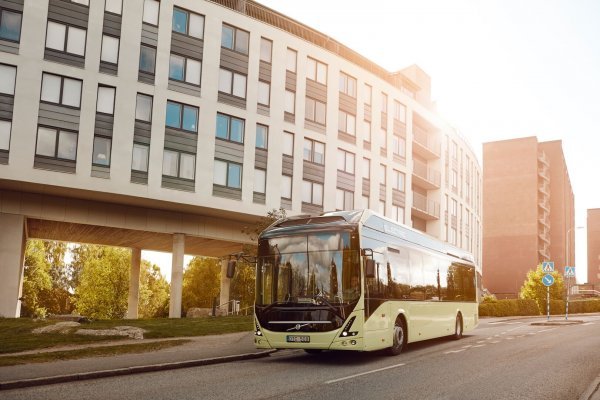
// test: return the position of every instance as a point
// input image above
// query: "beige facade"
(528, 212)
(196, 117)
(593, 247)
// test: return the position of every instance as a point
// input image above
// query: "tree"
(57, 299)
(533, 288)
(154, 292)
(36, 278)
(201, 282)
(103, 281)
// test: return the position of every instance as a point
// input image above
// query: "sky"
(500, 69)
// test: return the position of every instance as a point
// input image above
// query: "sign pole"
(567, 309)
(548, 301)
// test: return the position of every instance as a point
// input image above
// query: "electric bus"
(355, 280)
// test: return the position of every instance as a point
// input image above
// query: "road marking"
(532, 333)
(469, 345)
(546, 330)
(520, 336)
(495, 341)
(587, 323)
(479, 345)
(509, 338)
(481, 341)
(454, 351)
(364, 373)
(488, 338)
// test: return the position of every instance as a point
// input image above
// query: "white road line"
(481, 341)
(479, 345)
(587, 323)
(364, 373)
(454, 351)
(546, 330)
(509, 338)
(532, 333)
(495, 341)
(469, 345)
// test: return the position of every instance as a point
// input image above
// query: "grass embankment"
(16, 336)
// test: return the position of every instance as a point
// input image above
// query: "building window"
(143, 108)
(316, 71)
(182, 116)
(5, 127)
(262, 136)
(383, 173)
(384, 101)
(454, 180)
(114, 6)
(230, 128)
(399, 146)
(65, 38)
(344, 200)
(291, 58)
(188, 23)
(151, 10)
(184, 69)
(367, 128)
(84, 2)
(366, 168)
(383, 139)
(110, 49)
(398, 214)
(147, 59)
(399, 112)
(60, 90)
(8, 75)
(312, 193)
(399, 181)
(232, 83)
(56, 143)
(314, 151)
(228, 174)
(347, 123)
(288, 144)
(139, 158)
(347, 85)
(290, 102)
(266, 50)
(365, 202)
(316, 111)
(106, 100)
(286, 187)
(368, 94)
(235, 39)
(382, 207)
(260, 180)
(101, 152)
(264, 93)
(179, 165)
(10, 25)
(345, 161)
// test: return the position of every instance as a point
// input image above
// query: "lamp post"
(566, 262)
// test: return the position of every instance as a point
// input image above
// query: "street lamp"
(566, 262)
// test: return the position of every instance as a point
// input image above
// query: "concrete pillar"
(12, 258)
(225, 286)
(134, 284)
(177, 275)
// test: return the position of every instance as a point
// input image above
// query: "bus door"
(377, 313)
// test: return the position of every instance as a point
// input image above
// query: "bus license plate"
(298, 339)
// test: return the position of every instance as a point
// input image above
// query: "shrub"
(505, 308)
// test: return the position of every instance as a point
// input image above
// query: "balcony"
(544, 173)
(544, 220)
(544, 235)
(425, 208)
(545, 204)
(425, 145)
(544, 188)
(425, 176)
(544, 252)
(543, 159)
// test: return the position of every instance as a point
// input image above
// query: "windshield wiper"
(319, 297)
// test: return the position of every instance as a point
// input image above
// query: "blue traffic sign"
(548, 266)
(570, 272)
(548, 280)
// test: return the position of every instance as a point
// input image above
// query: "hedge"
(505, 308)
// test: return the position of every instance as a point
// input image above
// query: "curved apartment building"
(168, 125)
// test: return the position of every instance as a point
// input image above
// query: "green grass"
(16, 335)
(89, 352)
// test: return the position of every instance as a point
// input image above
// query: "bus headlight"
(346, 332)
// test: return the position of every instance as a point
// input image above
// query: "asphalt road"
(499, 360)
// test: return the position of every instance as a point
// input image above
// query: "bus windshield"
(308, 269)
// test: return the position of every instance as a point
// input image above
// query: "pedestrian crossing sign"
(569, 272)
(548, 266)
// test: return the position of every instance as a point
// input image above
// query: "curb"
(593, 391)
(129, 370)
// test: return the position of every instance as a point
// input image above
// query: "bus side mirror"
(370, 268)
(231, 268)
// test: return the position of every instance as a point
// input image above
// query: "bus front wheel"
(399, 338)
(458, 327)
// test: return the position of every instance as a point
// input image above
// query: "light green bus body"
(442, 312)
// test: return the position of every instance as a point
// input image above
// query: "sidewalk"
(201, 350)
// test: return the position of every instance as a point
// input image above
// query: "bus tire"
(458, 327)
(399, 337)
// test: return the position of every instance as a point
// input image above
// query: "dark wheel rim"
(458, 328)
(398, 336)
